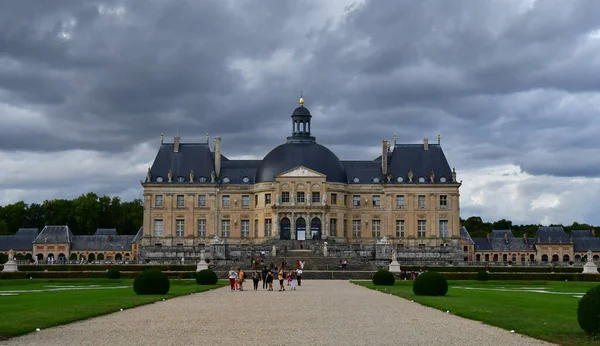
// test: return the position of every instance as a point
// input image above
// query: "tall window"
(245, 228)
(400, 228)
(255, 228)
(268, 227)
(356, 201)
(179, 228)
(376, 228)
(345, 228)
(316, 197)
(267, 198)
(202, 200)
(334, 199)
(421, 201)
(225, 200)
(333, 227)
(246, 201)
(285, 197)
(300, 197)
(421, 228)
(400, 201)
(225, 228)
(202, 228)
(443, 201)
(180, 200)
(158, 227)
(444, 228)
(158, 200)
(255, 200)
(355, 228)
(376, 201)
(346, 200)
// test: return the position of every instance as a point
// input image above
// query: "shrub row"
(495, 269)
(99, 267)
(85, 275)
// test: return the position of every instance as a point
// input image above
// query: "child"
(291, 281)
(289, 277)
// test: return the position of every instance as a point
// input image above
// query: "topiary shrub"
(113, 274)
(206, 277)
(587, 312)
(482, 275)
(151, 281)
(430, 284)
(383, 278)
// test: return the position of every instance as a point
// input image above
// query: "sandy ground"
(318, 313)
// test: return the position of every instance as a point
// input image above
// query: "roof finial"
(439, 139)
(207, 138)
(394, 139)
(301, 98)
(162, 138)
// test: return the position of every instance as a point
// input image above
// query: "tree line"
(84, 214)
(479, 229)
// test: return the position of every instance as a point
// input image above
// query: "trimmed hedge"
(383, 278)
(482, 275)
(206, 277)
(587, 312)
(151, 282)
(112, 273)
(430, 284)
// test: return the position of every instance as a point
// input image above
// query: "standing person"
(299, 276)
(264, 274)
(280, 276)
(270, 279)
(255, 279)
(289, 277)
(275, 273)
(232, 278)
(293, 283)
(241, 278)
(297, 264)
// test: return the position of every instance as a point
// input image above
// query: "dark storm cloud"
(491, 76)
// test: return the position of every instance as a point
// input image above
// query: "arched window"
(91, 257)
(487, 257)
(478, 258)
(566, 258)
(577, 258)
(495, 257)
(514, 258)
(100, 257)
(523, 257)
(504, 258)
(555, 258)
(544, 258)
(118, 257)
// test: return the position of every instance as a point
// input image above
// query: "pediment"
(300, 171)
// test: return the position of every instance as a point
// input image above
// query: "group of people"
(267, 276)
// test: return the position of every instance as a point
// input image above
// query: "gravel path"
(318, 313)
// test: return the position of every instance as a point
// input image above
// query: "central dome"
(308, 154)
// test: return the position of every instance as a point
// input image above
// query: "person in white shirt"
(232, 278)
(299, 276)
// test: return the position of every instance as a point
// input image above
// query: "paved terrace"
(318, 313)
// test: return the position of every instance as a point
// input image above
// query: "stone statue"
(192, 176)
(324, 199)
(589, 255)
(410, 175)
(202, 255)
(170, 176)
(432, 176)
(148, 175)
(389, 177)
(394, 256)
(212, 176)
(384, 240)
(217, 240)
(276, 199)
(11, 255)
(454, 175)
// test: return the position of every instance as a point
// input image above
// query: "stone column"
(324, 232)
(275, 226)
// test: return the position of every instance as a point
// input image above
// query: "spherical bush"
(482, 275)
(587, 312)
(113, 274)
(151, 281)
(383, 278)
(430, 284)
(206, 277)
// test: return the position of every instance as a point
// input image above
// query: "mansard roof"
(101, 242)
(551, 235)
(465, 236)
(580, 233)
(54, 235)
(106, 231)
(30, 232)
(191, 156)
(20, 241)
(138, 236)
(414, 157)
(502, 241)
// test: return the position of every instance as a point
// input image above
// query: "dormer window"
(399, 179)
(421, 180)
(180, 179)
(356, 180)
(246, 180)
(226, 180)
(442, 179)
(202, 179)
(159, 179)
(375, 180)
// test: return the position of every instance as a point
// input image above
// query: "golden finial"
(439, 139)
(207, 138)
(162, 138)
(301, 98)
(394, 139)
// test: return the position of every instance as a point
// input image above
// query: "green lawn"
(27, 311)
(551, 317)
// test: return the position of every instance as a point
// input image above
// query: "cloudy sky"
(87, 87)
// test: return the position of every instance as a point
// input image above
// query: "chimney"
(489, 237)
(525, 237)
(217, 156)
(162, 138)
(439, 139)
(593, 232)
(506, 237)
(108, 237)
(176, 144)
(207, 138)
(384, 156)
(425, 143)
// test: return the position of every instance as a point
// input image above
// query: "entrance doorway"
(284, 229)
(315, 229)
(300, 229)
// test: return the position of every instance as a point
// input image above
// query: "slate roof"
(21, 241)
(551, 235)
(191, 156)
(138, 235)
(580, 233)
(237, 170)
(584, 240)
(498, 242)
(101, 243)
(54, 235)
(406, 157)
(106, 231)
(30, 232)
(365, 171)
(464, 235)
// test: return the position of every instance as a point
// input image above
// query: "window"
(300, 197)
(225, 228)
(333, 227)
(316, 197)
(421, 201)
(421, 180)
(159, 179)
(285, 197)
(376, 228)
(267, 198)
(180, 201)
(422, 228)
(246, 201)
(255, 200)
(246, 180)
(400, 201)
(158, 200)
(334, 199)
(158, 228)
(375, 180)
(345, 228)
(355, 228)
(443, 228)
(202, 200)
(202, 179)
(255, 228)
(226, 180)
(356, 201)
(245, 228)
(376, 201)
(400, 228)
(345, 200)
(202, 228)
(179, 228)
(443, 201)
(225, 200)
(268, 227)
(180, 179)
(356, 180)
